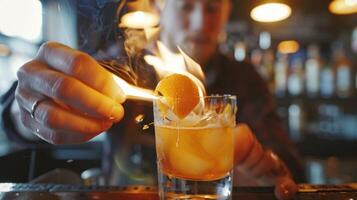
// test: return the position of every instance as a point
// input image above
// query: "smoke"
(119, 49)
(97, 21)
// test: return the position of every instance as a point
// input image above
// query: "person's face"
(194, 26)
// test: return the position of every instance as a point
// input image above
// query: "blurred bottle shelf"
(288, 100)
(321, 127)
(312, 145)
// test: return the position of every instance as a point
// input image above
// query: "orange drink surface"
(196, 153)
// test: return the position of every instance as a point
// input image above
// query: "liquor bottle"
(296, 121)
(296, 77)
(256, 59)
(354, 40)
(268, 64)
(343, 72)
(327, 82)
(240, 51)
(312, 71)
(354, 49)
(263, 61)
(280, 75)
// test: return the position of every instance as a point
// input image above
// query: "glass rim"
(228, 96)
(212, 96)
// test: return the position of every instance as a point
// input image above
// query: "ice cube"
(217, 141)
(208, 119)
(188, 159)
(164, 138)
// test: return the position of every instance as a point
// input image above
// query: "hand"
(77, 98)
(262, 165)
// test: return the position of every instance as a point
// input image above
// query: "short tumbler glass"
(195, 154)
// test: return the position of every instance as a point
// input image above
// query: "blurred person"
(65, 96)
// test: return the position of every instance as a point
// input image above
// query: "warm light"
(4, 50)
(271, 12)
(22, 19)
(139, 20)
(351, 2)
(289, 46)
(343, 7)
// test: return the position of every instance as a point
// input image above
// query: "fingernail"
(116, 113)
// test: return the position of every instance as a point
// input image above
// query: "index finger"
(81, 66)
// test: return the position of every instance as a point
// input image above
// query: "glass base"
(177, 188)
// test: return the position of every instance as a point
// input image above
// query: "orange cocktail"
(196, 153)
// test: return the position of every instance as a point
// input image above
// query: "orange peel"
(180, 92)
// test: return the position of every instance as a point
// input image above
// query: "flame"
(168, 63)
(165, 61)
(192, 67)
(133, 92)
